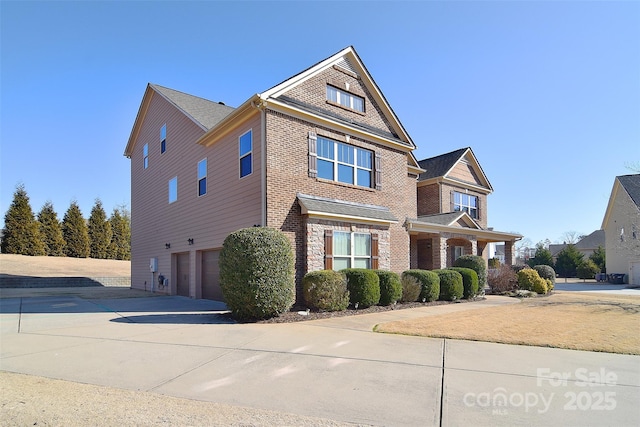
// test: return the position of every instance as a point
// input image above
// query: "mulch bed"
(293, 315)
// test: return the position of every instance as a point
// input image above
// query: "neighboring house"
(586, 246)
(452, 212)
(621, 225)
(320, 156)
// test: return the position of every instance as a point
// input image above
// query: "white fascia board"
(347, 218)
(494, 236)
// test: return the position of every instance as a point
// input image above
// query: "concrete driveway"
(335, 368)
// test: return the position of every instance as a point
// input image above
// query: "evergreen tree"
(74, 230)
(99, 230)
(51, 231)
(542, 256)
(568, 261)
(599, 258)
(22, 231)
(120, 247)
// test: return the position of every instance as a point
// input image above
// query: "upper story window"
(163, 138)
(466, 203)
(246, 150)
(202, 177)
(145, 156)
(351, 250)
(344, 163)
(345, 99)
(173, 189)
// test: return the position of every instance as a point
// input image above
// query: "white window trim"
(174, 179)
(462, 206)
(145, 156)
(163, 138)
(348, 97)
(200, 178)
(355, 166)
(352, 257)
(242, 156)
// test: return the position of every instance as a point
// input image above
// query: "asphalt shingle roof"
(631, 184)
(341, 207)
(203, 111)
(440, 165)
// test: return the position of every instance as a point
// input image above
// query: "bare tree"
(571, 237)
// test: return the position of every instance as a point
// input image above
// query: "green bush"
(530, 280)
(546, 272)
(363, 285)
(469, 281)
(429, 283)
(390, 287)
(494, 263)
(587, 269)
(325, 290)
(477, 264)
(451, 286)
(257, 273)
(411, 288)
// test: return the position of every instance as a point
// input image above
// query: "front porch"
(438, 240)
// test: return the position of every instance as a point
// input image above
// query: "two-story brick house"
(320, 156)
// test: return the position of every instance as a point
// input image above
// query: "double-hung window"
(163, 138)
(466, 203)
(344, 163)
(145, 156)
(245, 151)
(202, 177)
(345, 99)
(351, 250)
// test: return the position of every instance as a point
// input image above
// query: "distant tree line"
(99, 237)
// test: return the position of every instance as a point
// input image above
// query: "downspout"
(263, 153)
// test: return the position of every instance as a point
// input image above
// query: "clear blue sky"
(547, 94)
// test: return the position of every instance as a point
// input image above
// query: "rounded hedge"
(529, 280)
(363, 285)
(429, 283)
(477, 264)
(451, 287)
(325, 290)
(257, 273)
(546, 272)
(390, 287)
(469, 281)
(410, 288)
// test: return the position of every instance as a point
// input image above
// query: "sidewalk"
(334, 369)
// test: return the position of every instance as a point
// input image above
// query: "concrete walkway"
(335, 368)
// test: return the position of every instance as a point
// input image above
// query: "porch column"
(509, 253)
(439, 251)
(481, 248)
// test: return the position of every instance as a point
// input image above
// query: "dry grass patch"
(585, 321)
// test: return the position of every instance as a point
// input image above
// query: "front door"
(182, 274)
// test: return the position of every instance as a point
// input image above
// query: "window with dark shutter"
(313, 155)
(378, 171)
(328, 249)
(374, 252)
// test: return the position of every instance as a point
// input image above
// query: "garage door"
(182, 274)
(211, 276)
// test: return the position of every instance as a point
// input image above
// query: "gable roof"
(204, 113)
(630, 184)
(450, 219)
(439, 167)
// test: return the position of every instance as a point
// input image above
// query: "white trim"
(242, 156)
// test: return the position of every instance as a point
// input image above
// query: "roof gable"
(204, 113)
(349, 62)
(629, 184)
(458, 167)
(452, 219)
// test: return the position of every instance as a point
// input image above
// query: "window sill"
(344, 184)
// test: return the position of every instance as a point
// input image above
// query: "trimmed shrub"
(390, 287)
(477, 264)
(451, 286)
(587, 269)
(529, 280)
(548, 274)
(257, 273)
(429, 283)
(502, 279)
(411, 288)
(469, 281)
(363, 285)
(325, 290)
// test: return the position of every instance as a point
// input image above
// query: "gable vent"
(344, 63)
